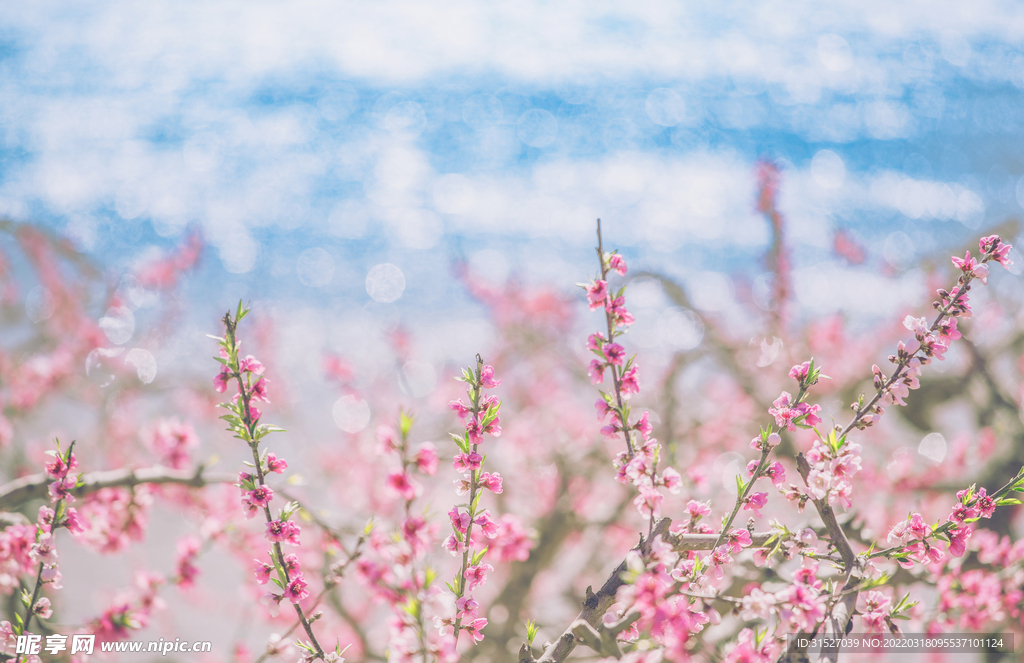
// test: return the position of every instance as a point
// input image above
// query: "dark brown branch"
(34, 486)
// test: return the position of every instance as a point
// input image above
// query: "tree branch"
(34, 486)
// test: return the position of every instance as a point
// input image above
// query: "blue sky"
(415, 133)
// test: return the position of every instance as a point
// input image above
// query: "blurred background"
(373, 176)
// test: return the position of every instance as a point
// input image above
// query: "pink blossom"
(595, 341)
(631, 381)
(262, 571)
(466, 607)
(948, 331)
(596, 371)
(42, 608)
(260, 496)
(616, 262)
(477, 575)
(958, 540)
(649, 501)
(259, 390)
(698, 509)
(453, 545)
(512, 542)
(644, 425)
(671, 480)
(755, 502)
(615, 353)
(459, 407)
(220, 381)
(400, 482)
(782, 411)
(875, 611)
(272, 601)
(459, 520)
(800, 371)
(597, 293)
(738, 539)
(986, 505)
(426, 459)
(250, 365)
(487, 526)
(620, 316)
(491, 482)
(283, 531)
(487, 380)
(965, 264)
(275, 464)
(999, 249)
(44, 550)
(475, 629)
(57, 468)
(468, 462)
(61, 489)
(296, 590)
(73, 521)
(756, 605)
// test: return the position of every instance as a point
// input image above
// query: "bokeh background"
(347, 165)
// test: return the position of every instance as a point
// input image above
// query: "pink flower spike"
(487, 380)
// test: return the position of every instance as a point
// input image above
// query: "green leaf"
(1007, 501)
(531, 632)
(740, 485)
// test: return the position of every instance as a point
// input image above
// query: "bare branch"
(34, 486)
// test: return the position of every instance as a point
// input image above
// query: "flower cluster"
(832, 462)
(915, 537)
(282, 570)
(27, 547)
(480, 417)
(930, 341)
(638, 464)
(401, 577)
